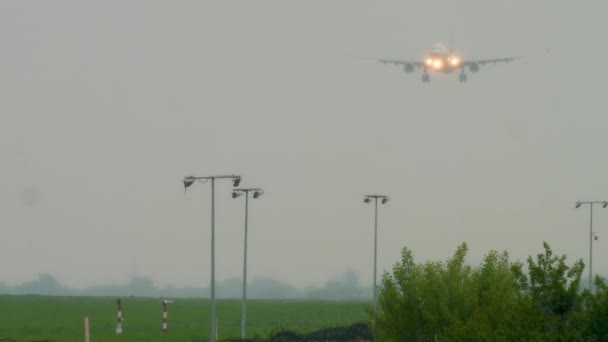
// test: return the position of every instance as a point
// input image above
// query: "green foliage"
(597, 317)
(555, 292)
(451, 301)
(400, 304)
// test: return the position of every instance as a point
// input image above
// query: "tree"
(448, 291)
(597, 312)
(555, 292)
(498, 312)
(399, 316)
(46, 284)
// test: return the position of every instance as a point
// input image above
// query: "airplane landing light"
(455, 61)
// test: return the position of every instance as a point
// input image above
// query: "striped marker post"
(165, 330)
(119, 321)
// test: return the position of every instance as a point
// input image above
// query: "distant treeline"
(343, 287)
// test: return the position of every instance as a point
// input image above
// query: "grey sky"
(106, 105)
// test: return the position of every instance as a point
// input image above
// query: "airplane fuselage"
(441, 59)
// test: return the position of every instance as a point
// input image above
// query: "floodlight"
(188, 181)
(578, 205)
(236, 194)
(257, 193)
(367, 199)
(605, 205)
(596, 236)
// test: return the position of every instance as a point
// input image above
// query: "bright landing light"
(429, 61)
(437, 64)
(455, 61)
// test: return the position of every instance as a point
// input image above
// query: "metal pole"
(375, 252)
(244, 309)
(212, 259)
(87, 335)
(591, 247)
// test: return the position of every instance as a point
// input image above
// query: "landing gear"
(462, 77)
(426, 78)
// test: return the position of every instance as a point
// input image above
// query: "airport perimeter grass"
(33, 318)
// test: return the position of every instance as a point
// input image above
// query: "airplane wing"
(396, 62)
(493, 61)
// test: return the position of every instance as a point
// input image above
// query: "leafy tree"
(496, 313)
(399, 316)
(448, 290)
(555, 292)
(597, 315)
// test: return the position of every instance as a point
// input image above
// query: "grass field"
(32, 318)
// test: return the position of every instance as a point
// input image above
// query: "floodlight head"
(596, 236)
(236, 194)
(189, 180)
(385, 199)
(236, 180)
(578, 205)
(605, 205)
(367, 199)
(257, 193)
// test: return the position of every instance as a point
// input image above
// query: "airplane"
(443, 59)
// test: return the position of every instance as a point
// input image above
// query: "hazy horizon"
(106, 106)
(344, 286)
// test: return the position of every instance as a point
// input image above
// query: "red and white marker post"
(119, 321)
(165, 330)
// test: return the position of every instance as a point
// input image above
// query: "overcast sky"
(106, 105)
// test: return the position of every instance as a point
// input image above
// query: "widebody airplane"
(443, 59)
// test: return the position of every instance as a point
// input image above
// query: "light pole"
(368, 199)
(591, 203)
(188, 181)
(256, 194)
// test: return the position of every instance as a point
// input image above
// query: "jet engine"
(408, 68)
(474, 67)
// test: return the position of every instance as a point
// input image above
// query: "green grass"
(30, 318)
